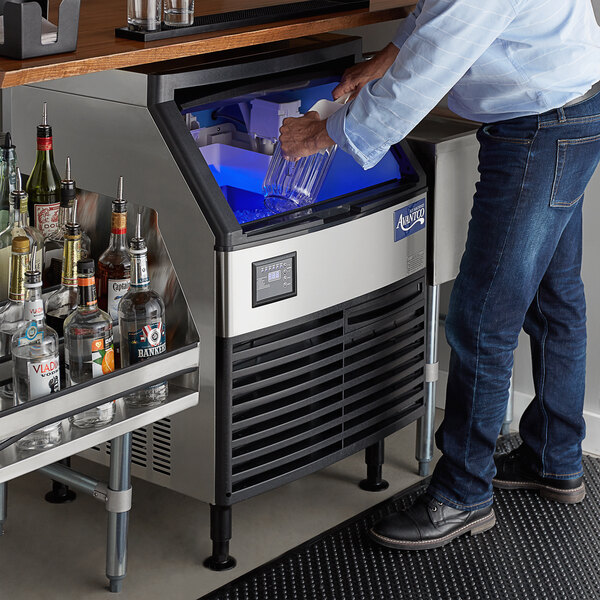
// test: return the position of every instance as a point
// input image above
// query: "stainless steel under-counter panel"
(448, 150)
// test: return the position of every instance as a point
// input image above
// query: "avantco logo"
(409, 220)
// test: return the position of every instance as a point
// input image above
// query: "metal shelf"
(14, 420)
(14, 463)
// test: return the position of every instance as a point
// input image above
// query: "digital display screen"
(274, 275)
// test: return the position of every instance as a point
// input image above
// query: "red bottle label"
(46, 217)
(44, 143)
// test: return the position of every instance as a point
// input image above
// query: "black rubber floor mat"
(538, 549)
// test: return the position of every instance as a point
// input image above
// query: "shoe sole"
(474, 528)
(574, 496)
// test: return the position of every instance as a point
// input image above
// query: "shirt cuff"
(336, 128)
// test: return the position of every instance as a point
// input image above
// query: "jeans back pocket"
(576, 162)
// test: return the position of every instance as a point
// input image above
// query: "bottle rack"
(23, 28)
(17, 421)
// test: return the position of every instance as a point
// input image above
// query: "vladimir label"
(147, 342)
(46, 218)
(409, 220)
(43, 377)
(117, 288)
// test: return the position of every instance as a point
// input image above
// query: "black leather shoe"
(512, 473)
(429, 524)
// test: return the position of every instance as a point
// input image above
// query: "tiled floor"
(54, 552)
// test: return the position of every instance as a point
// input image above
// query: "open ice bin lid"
(230, 114)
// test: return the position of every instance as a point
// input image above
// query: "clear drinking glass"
(144, 15)
(289, 185)
(179, 13)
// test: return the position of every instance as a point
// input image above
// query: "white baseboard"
(591, 443)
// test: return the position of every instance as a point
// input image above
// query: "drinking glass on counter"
(144, 15)
(179, 13)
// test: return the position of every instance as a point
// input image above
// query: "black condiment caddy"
(23, 28)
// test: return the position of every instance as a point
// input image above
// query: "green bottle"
(43, 185)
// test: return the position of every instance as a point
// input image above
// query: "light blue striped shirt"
(499, 59)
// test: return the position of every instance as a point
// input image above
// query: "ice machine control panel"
(273, 279)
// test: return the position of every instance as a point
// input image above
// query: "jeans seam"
(543, 378)
(460, 503)
(468, 444)
(545, 124)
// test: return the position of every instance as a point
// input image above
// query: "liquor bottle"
(63, 301)
(43, 185)
(89, 350)
(114, 265)
(18, 226)
(11, 314)
(142, 323)
(54, 244)
(8, 178)
(36, 363)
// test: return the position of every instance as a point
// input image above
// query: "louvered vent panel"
(287, 399)
(305, 392)
(384, 362)
(161, 446)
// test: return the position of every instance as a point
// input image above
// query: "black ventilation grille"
(306, 395)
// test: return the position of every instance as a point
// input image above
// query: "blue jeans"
(521, 269)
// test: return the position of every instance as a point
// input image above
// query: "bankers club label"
(409, 220)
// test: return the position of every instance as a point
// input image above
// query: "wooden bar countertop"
(99, 50)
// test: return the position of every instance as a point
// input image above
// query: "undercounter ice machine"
(311, 322)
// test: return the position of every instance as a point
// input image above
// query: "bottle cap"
(20, 244)
(67, 187)
(72, 229)
(119, 204)
(85, 267)
(8, 145)
(18, 193)
(137, 245)
(33, 278)
(43, 129)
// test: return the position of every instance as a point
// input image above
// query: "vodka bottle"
(89, 350)
(8, 178)
(55, 242)
(114, 265)
(142, 323)
(64, 300)
(11, 314)
(34, 348)
(43, 185)
(18, 226)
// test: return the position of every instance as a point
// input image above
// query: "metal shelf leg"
(374, 457)
(3, 505)
(220, 534)
(425, 425)
(508, 417)
(118, 522)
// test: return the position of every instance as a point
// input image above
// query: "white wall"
(375, 37)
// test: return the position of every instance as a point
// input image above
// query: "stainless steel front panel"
(333, 265)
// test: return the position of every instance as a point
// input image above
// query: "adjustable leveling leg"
(374, 456)
(220, 534)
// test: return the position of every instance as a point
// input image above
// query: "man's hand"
(357, 76)
(303, 136)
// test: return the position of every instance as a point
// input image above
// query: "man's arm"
(448, 37)
(407, 26)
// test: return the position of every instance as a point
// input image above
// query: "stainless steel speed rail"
(17, 421)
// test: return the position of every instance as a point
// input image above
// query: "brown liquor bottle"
(114, 265)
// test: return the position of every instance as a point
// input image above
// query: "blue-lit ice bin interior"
(237, 137)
